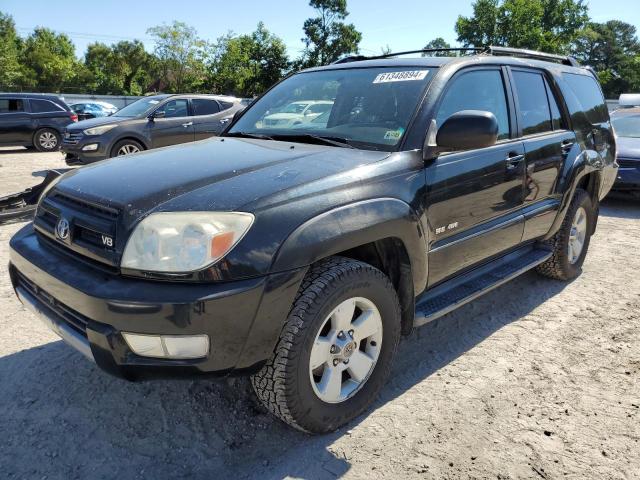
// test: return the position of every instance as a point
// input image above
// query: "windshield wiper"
(248, 135)
(326, 140)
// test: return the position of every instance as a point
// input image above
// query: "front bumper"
(89, 309)
(628, 177)
(72, 148)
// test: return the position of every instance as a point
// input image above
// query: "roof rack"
(497, 51)
(357, 58)
(533, 54)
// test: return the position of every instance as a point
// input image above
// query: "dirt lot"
(539, 379)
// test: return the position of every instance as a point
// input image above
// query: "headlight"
(184, 241)
(99, 130)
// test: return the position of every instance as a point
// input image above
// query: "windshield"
(627, 126)
(367, 108)
(138, 108)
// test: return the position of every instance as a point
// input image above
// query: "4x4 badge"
(62, 229)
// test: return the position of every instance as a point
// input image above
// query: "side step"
(454, 293)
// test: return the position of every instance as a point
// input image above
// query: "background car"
(297, 113)
(86, 110)
(626, 123)
(33, 120)
(151, 122)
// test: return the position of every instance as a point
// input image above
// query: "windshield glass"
(627, 126)
(368, 108)
(138, 108)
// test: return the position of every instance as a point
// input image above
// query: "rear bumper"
(89, 309)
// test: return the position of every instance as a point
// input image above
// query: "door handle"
(513, 160)
(566, 146)
(225, 120)
(188, 124)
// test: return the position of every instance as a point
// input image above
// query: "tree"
(613, 50)
(546, 25)
(48, 60)
(438, 42)
(120, 69)
(9, 41)
(247, 65)
(180, 54)
(327, 37)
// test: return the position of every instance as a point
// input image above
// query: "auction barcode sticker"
(405, 76)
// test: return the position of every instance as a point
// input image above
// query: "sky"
(399, 24)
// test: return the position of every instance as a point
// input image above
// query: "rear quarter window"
(45, 106)
(588, 97)
(10, 105)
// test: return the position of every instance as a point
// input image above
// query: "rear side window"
(10, 105)
(535, 113)
(42, 106)
(477, 90)
(589, 96)
(203, 106)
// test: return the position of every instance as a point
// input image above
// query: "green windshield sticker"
(394, 134)
(405, 76)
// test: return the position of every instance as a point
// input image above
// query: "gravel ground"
(538, 379)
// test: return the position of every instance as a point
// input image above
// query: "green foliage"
(180, 55)
(10, 72)
(546, 25)
(247, 65)
(613, 50)
(120, 69)
(438, 42)
(48, 60)
(327, 36)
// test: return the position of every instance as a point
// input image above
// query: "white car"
(297, 113)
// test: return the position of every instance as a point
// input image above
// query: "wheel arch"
(129, 136)
(383, 232)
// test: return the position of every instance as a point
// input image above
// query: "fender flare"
(584, 164)
(353, 225)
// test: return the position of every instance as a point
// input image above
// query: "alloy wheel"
(48, 140)
(577, 235)
(127, 149)
(345, 350)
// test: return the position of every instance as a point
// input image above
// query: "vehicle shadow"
(14, 150)
(64, 418)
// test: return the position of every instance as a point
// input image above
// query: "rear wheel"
(336, 348)
(571, 242)
(46, 140)
(126, 147)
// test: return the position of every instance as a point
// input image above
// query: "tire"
(127, 145)
(46, 140)
(288, 387)
(563, 264)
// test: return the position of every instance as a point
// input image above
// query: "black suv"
(33, 120)
(300, 255)
(151, 122)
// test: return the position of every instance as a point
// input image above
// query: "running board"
(454, 293)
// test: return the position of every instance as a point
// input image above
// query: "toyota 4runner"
(300, 256)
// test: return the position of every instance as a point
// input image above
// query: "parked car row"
(91, 131)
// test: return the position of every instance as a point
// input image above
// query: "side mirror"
(157, 114)
(467, 130)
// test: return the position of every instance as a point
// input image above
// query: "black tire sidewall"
(581, 200)
(311, 412)
(39, 147)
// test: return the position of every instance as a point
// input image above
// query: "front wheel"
(336, 348)
(571, 242)
(126, 147)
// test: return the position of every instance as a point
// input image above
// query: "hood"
(95, 122)
(628, 147)
(221, 174)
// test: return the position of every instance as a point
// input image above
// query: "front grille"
(72, 318)
(628, 163)
(92, 227)
(72, 138)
